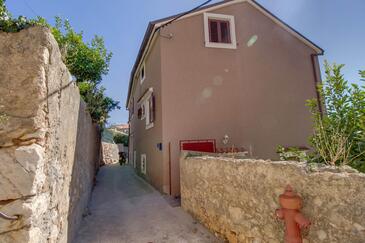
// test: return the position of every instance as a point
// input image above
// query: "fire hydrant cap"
(289, 199)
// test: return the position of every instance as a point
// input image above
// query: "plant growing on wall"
(10, 24)
(292, 153)
(87, 62)
(339, 133)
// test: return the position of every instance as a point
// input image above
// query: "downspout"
(317, 81)
(170, 183)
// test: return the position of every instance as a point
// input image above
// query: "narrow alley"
(125, 209)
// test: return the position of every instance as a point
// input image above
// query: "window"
(134, 158)
(147, 108)
(142, 112)
(219, 31)
(143, 164)
(142, 73)
(151, 110)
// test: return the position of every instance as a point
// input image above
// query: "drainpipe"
(170, 184)
(317, 81)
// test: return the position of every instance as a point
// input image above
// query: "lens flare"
(252, 40)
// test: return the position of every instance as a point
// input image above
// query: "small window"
(142, 112)
(147, 108)
(150, 111)
(143, 164)
(219, 31)
(142, 73)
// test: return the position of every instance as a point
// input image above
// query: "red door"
(198, 145)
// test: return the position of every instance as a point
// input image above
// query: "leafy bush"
(121, 139)
(10, 24)
(99, 105)
(87, 62)
(339, 134)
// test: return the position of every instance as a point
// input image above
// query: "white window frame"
(143, 161)
(149, 124)
(143, 67)
(230, 19)
(144, 102)
(143, 107)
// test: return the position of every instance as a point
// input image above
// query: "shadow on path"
(125, 209)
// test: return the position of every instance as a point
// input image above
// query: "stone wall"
(110, 153)
(237, 198)
(49, 147)
(122, 148)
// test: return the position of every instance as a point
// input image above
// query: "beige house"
(120, 128)
(228, 76)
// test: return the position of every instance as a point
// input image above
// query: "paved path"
(125, 209)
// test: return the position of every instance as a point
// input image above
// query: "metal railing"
(5, 216)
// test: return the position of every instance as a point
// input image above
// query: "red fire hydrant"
(291, 204)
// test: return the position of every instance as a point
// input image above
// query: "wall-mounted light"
(225, 139)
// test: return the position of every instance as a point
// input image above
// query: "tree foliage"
(99, 105)
(121, 139)
(10, 24)
(87, 62)
(339, 133)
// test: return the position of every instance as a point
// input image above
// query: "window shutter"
(152, 108)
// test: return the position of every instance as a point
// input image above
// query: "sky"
(337, 26)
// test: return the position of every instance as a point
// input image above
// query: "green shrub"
(339, 133)
(339, 127)
(87, 62)
(121, 139)
(10, 24)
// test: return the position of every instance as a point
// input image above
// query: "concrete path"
(125, 209)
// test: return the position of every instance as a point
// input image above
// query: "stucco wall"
(238, 198)
(142, 140)
(49, 148)
(254, 94)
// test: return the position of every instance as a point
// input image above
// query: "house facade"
(227, 76)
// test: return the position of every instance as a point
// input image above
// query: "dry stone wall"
(110, 152)
(237, 198)
(49, 147)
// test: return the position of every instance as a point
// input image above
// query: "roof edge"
(154, 25)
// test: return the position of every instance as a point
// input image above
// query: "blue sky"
(338, 26)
